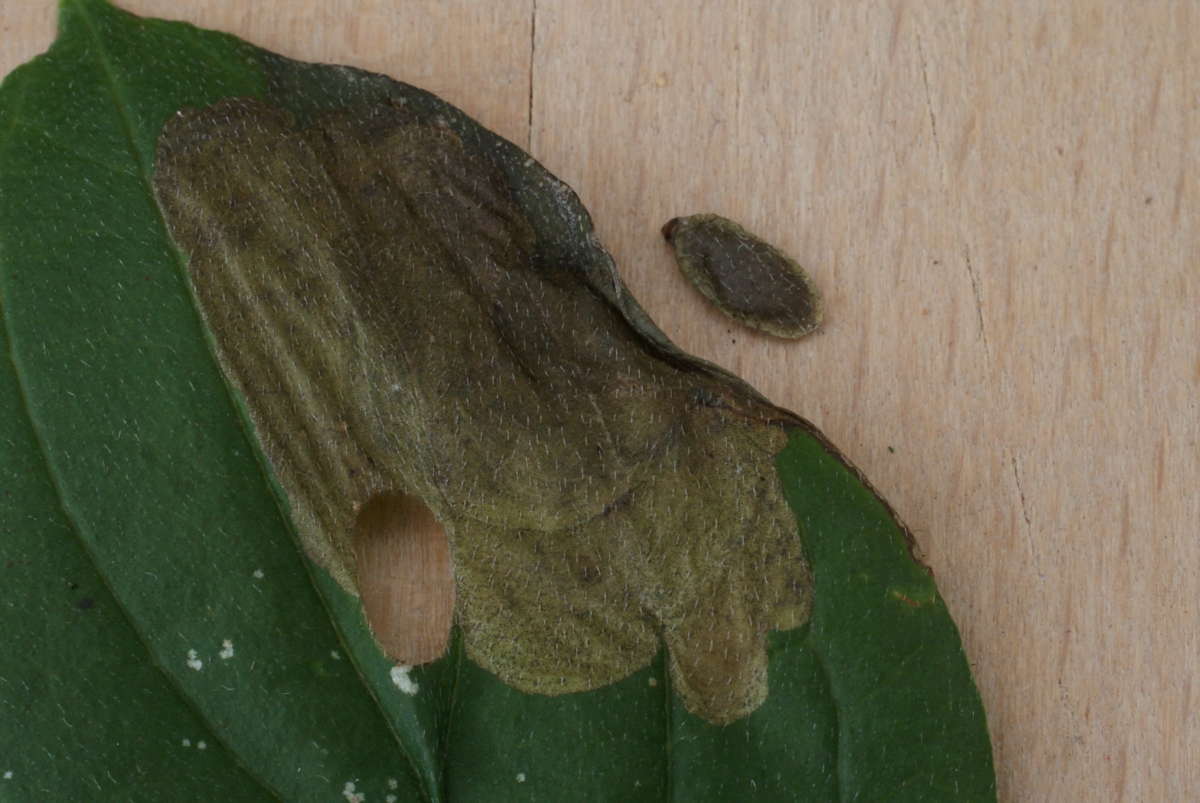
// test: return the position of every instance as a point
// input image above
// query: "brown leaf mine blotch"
(395, 327)
(747, 278)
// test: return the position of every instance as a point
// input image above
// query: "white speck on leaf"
(226, 650)
(403, 682)
(351, 795)
(186, 742)
(335, 655)
(520, 777)
(193, 661)
(393, 783)
(201, 745)
(390, 799)
(8, 775)
(653, 681)
(258, 574)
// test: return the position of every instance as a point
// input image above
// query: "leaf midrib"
(73, 522)
(145, 171)
(121, 106)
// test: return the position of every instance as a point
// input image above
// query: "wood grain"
(1000, 202)
(405, 579)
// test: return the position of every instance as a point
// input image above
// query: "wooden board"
(1000, 202)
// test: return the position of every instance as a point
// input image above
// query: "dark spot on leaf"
(587, 570)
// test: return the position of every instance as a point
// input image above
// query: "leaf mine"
(386, 313)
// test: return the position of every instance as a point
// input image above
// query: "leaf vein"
(840, 782)
(144, 172)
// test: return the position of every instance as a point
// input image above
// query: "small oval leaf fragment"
(748, 279)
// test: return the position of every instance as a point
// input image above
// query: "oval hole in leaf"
(405, 577)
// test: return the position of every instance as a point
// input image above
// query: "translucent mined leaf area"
(375, 295)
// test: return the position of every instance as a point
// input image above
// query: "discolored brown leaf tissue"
(378, 299)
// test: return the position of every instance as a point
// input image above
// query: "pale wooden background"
(1001, 205)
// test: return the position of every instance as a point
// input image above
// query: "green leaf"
(138, 524)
